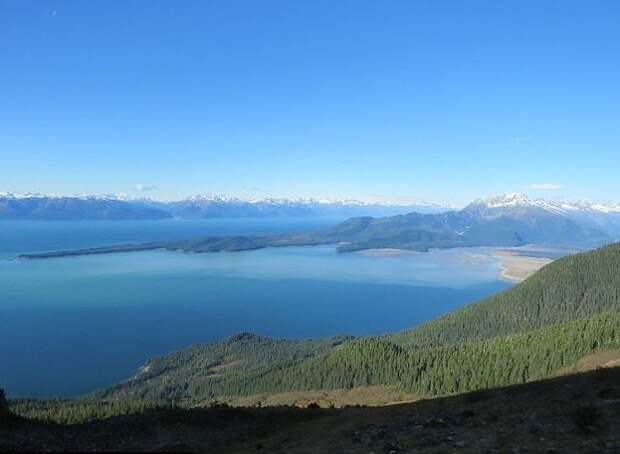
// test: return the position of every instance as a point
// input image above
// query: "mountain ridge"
(216, 206)
(480, 224)
(34, 206)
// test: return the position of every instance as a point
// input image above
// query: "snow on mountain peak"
(510, 199)
(522, 202)
(496, 205)
(37, 195)
(219, 198)
(27, 195)
(209, 197)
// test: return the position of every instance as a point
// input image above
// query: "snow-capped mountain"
(307, 201)
(590, 215)
(514, 216)
(218, 206)
(505, 221)
(37, 195)
(202, 206)
(515, 203)
(56, 207)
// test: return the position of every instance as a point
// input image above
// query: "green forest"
(571, 288)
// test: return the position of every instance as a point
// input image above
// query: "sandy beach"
(516, 267)
(515, 263)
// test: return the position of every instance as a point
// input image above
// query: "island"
(471, 227)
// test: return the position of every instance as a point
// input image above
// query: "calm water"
(72, 325)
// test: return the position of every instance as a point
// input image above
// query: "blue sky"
(435, 100)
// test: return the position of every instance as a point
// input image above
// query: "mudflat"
(516, 267)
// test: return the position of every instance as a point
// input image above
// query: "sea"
(72, 325)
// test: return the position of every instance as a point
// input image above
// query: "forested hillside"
(424, 371)
(192, 371)
(570, 288)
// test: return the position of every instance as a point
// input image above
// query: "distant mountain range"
(114, 207)
(565, 218)
(597, 216)
(506, 221)
(60, 208)
(210, 206)
(509, 220)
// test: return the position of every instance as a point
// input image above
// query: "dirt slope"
(571, 414)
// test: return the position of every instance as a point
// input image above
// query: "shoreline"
(514, 264)
(515, 267)
(386, 252)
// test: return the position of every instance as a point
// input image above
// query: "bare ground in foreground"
(570, 414)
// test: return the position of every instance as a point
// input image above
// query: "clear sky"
(436, 100)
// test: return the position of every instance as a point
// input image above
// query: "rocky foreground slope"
(572, 414)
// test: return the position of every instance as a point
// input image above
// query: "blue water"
(72, 325)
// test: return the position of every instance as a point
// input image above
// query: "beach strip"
(516, 267)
